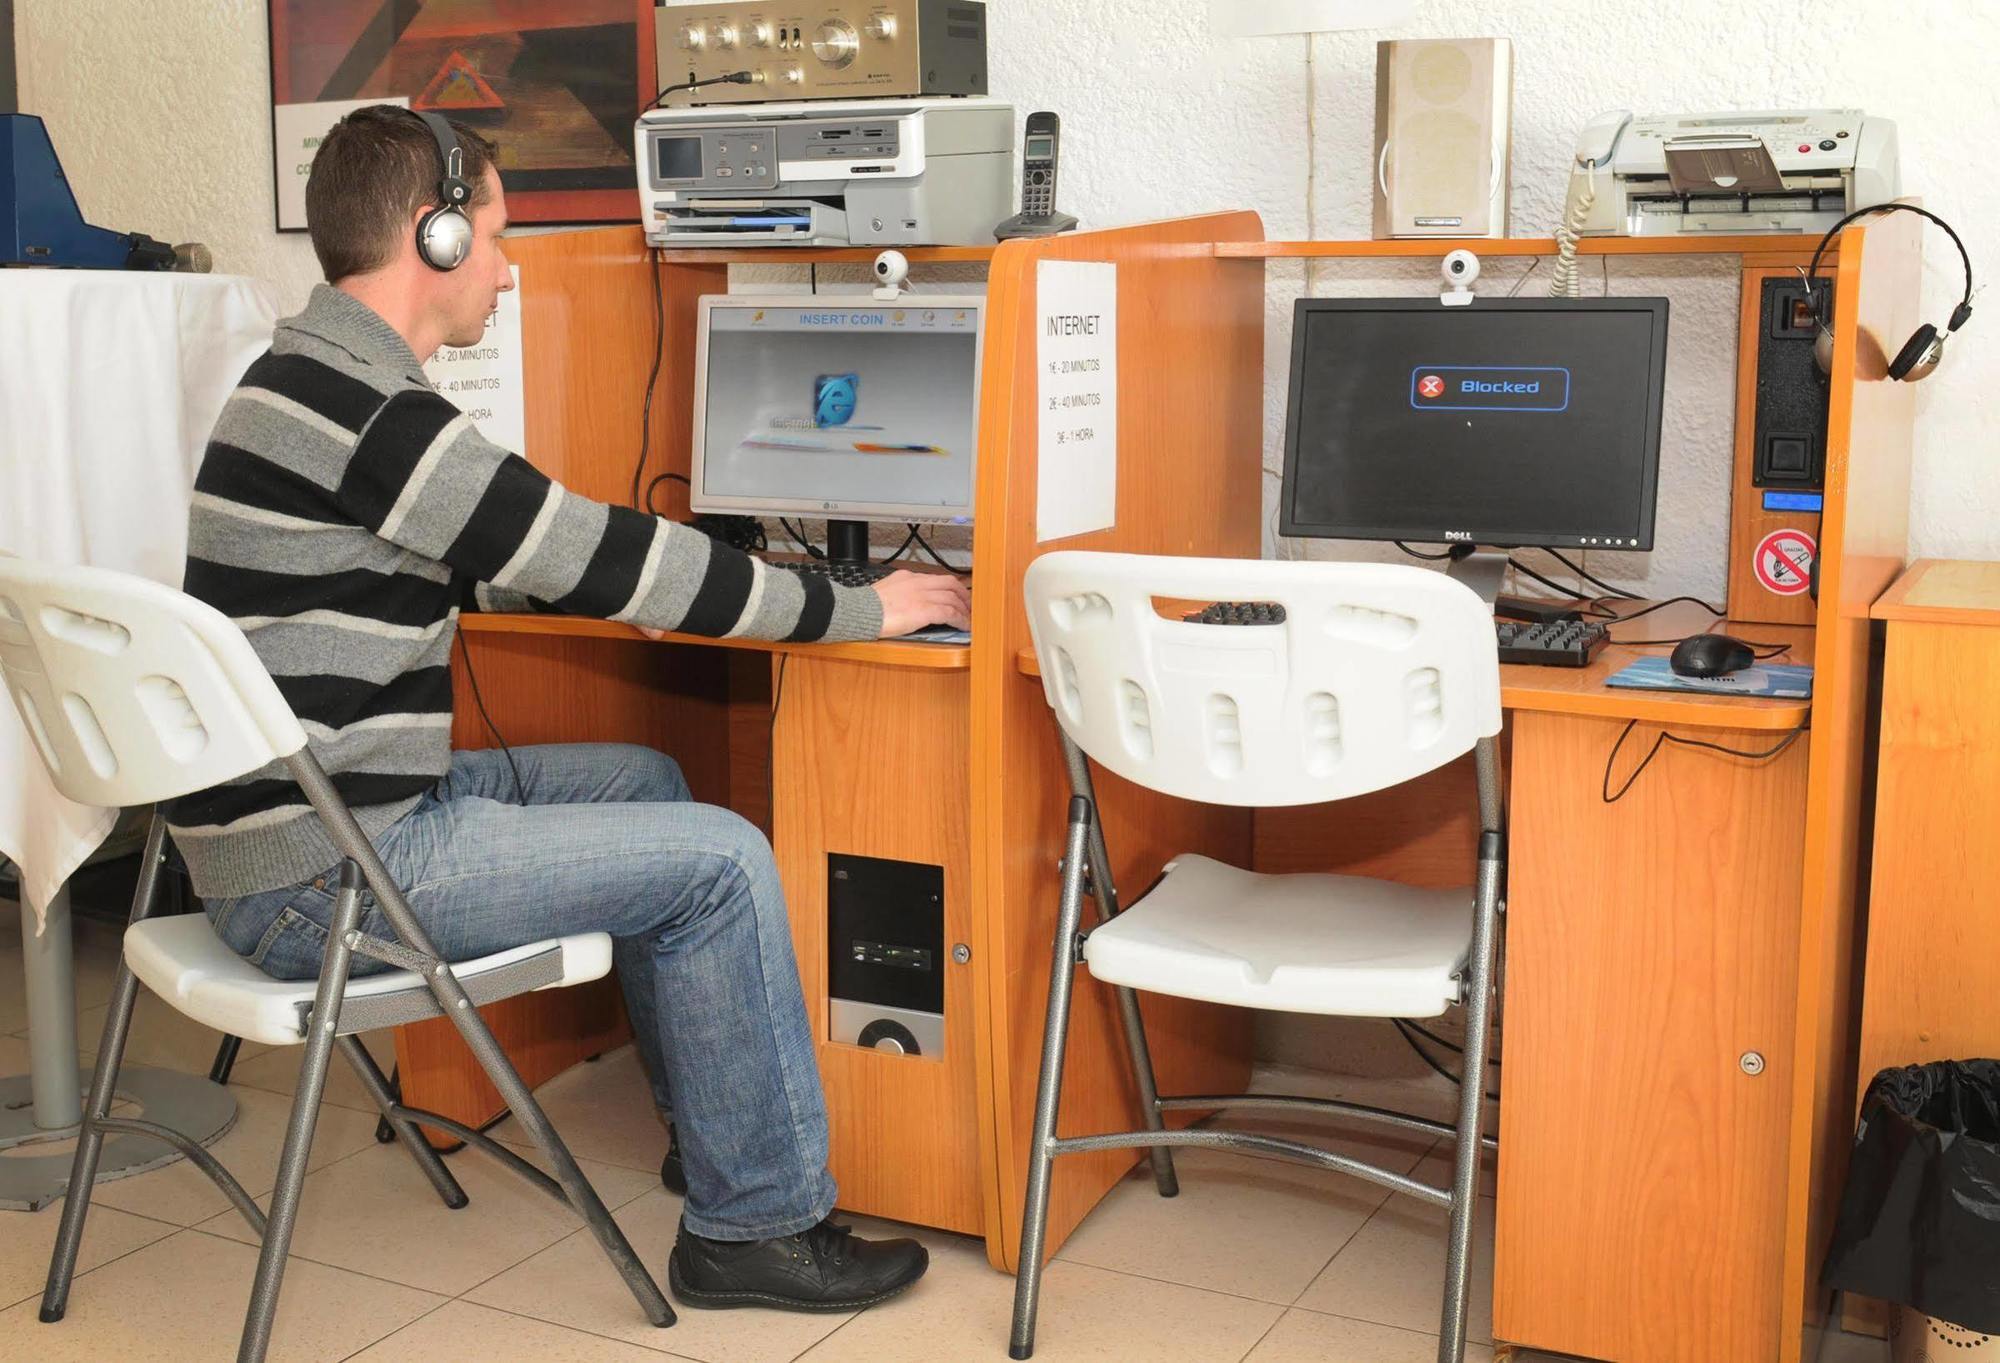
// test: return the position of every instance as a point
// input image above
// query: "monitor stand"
(847, 541)
(1483, 572)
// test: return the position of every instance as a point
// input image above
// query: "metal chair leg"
(457, 1005)
(380, 1090)
(1055, 1033)
(324, 1027)
(225, 1060)
(103, 1083)
(583, 1198)
(1106, 893)
(1471, 1104)
(384, 1133)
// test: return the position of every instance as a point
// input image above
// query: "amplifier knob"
(835, 43)
(793, 75)
(760, 34)
(881, 27)
(724, 35)
(693, 38)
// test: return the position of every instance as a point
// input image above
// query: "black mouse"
(1711, 655)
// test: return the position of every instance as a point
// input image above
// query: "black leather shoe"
(672, 1176)
(827, 1268)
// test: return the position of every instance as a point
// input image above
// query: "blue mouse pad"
(1784, 680)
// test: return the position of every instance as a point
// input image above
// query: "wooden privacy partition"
(1190, 414)
(1862, 545)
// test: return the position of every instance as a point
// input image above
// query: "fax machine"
(914, 172)
(1788, 170)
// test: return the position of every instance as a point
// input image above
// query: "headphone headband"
(453, 191)
(1958, 315)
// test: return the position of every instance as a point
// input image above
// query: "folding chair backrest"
(133, 692)
(1378, 674)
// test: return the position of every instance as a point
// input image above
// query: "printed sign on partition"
(1784, 560)
(1076, 397)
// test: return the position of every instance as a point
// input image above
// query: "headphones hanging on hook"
(444, 234)
(1925, 348)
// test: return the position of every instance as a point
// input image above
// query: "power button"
(1827, 144)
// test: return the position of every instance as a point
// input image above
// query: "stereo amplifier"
(833, 49)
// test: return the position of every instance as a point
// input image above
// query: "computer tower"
(885, 954)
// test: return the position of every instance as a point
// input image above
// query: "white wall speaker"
(1443, 132)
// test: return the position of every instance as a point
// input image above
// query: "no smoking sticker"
(1784, 560)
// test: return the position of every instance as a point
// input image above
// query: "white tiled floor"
(1258, 1260)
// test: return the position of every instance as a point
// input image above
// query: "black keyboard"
(1550, 643)
(844, 573)
(1238, 613)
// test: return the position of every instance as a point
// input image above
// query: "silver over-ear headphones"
(1925, 348)
(444, 234)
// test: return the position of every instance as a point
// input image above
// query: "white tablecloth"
(109, 384)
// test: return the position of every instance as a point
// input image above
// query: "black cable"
(904, 547)
(733, 78)
(1418, 553)
(1666, 738)
(937, 558)
(1769, 650)
(1560, 588)
(646, 410)
(797, 535)
(777, 693)
(1403, 1030)
(1593, 581)
(1662, 605)
(464, 653)
(659, 478)
(812, 276)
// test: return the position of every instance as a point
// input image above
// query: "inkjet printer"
(910, 172)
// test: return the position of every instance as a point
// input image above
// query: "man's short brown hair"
(372, 172)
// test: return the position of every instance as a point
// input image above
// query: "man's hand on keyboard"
(911, 601)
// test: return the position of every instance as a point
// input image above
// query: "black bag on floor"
(1920, 1218)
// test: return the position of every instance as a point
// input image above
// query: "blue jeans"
(609, 840)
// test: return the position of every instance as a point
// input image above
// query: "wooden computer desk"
(1657, 1199)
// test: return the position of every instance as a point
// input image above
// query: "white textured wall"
(160, 112)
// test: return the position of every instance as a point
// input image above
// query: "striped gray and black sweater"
(345, 513)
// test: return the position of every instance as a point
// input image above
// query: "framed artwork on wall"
(555, 84)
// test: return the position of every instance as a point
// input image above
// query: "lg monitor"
(1503, 422)
(839, 407)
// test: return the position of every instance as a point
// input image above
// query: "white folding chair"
(134, 693)
(1375, 674)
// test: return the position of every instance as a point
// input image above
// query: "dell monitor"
(842, 407)
(1503, 422)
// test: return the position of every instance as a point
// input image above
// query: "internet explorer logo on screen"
(834, 397)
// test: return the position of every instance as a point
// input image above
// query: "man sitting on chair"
(343, 516)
